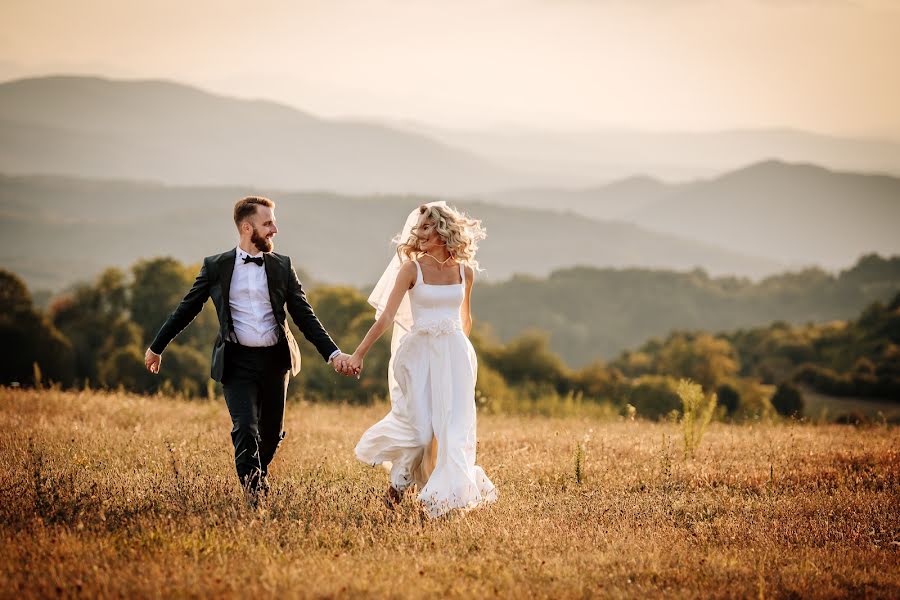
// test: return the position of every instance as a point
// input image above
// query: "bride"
(429, 435)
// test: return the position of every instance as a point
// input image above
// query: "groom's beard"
(262, 244)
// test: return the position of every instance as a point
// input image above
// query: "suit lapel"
(227, 270)
(272, 278)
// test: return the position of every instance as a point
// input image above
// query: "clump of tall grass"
(579, 463)
(38, 377)
(697, 411)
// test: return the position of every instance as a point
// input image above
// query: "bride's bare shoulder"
(407, 273)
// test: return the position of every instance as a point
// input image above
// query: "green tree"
(702, 358)
(124, 367)
(788, 401)
(28, 338)
(86, 315)
(729, 398)
(599, 381)
(182, 371)
(159, 285)
(122, 332)
(185, 370)
(528, 359)
(654, 396)
(347, 316)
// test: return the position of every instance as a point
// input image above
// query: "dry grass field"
(113, 495)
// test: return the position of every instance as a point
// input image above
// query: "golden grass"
(113, 495)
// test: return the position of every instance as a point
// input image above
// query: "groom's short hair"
(247, 206)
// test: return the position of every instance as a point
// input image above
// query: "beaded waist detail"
(437, 327)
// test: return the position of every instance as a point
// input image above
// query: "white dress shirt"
(251, 307)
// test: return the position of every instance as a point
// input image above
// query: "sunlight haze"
(826, 66)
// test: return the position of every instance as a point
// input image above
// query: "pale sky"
(830, 66)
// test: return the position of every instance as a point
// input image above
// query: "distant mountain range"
(751, 221)
(175, 134)
(798, 214)
(59, 230)
(586, 158)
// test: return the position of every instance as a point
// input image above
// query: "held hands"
(355, 362)
(152, 361)
(344, 364)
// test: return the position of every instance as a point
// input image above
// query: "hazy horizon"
(691, 66)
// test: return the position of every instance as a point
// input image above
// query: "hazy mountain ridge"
(158, 130)
(69, 229)
(615, 200)
(167, 131)
(796, 213)
(789, 214)
(592, 157)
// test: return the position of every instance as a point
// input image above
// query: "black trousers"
(255, 383)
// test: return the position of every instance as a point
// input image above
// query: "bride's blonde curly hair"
(460, 233)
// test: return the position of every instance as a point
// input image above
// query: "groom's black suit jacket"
(214, 281)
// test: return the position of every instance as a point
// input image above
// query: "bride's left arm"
(405, 280)
(466, 310)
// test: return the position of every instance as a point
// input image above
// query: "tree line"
(590, 312)
(95, 334)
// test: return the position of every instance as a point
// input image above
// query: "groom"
(255, 351)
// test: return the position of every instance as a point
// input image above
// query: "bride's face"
(427, 235)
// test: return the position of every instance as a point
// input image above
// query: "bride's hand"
(355, 364)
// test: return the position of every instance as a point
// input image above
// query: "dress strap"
(462, 273)
(419, 278)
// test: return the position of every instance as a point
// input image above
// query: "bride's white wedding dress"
(432, 384)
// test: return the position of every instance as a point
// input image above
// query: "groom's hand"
(339, 363)
(152, 361)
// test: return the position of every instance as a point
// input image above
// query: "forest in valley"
(758, 346)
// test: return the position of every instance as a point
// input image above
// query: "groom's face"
(264, 229)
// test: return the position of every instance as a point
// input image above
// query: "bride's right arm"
(405, 279)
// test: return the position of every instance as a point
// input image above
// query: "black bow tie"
(258, 260)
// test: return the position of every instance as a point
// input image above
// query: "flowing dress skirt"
(432, 402)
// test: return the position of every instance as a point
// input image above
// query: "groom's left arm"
(302, 314)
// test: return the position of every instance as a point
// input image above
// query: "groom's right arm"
(187, 310)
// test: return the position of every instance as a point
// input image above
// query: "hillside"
(615, 200)
(176, 134)
(60, 230)
(795, 213)
(587, 157)
(591, 313)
